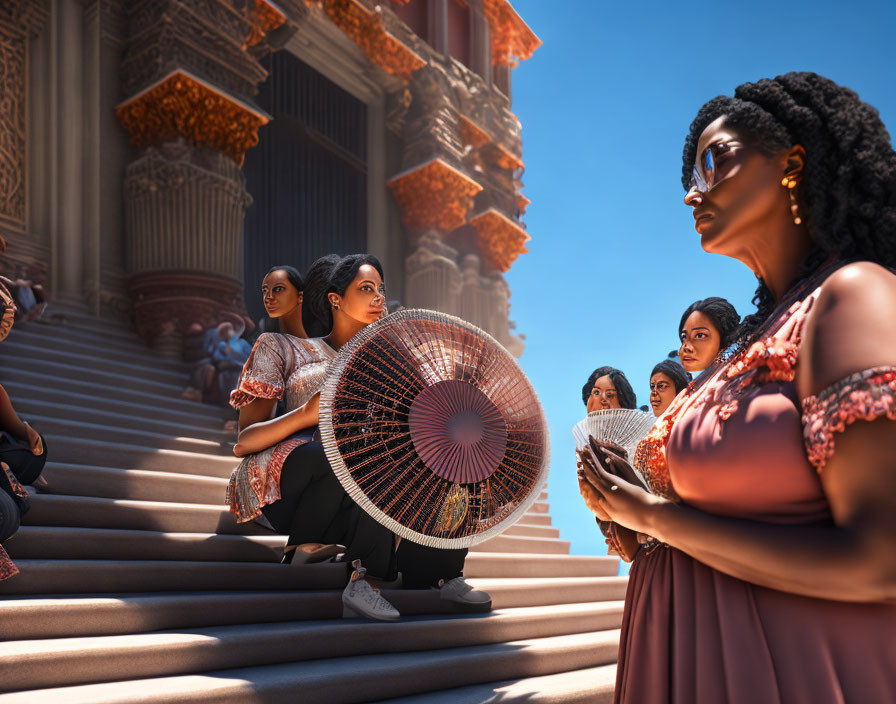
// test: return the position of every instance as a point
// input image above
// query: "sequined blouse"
(280, 367)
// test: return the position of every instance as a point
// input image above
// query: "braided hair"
(624, 391)
(849, 181)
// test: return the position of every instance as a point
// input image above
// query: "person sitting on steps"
(285, 474)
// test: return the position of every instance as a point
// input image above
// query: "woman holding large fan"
(774, 475)
(304, 498)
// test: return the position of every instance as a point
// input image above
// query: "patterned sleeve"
(263, 373)
(866, 395)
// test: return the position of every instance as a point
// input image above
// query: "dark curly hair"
(624, 391)
(722, 314)
(674, 371)
(848, 190)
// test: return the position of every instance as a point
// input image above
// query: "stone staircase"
(137, 585)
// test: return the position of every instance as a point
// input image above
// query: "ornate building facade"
(157, 156)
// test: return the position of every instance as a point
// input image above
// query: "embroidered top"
(280, 367)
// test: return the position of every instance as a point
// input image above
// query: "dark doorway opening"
(307, 175)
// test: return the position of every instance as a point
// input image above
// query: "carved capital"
(376, 31)
(511, 38)
(434, 195)
(501, 240)
(182, 105)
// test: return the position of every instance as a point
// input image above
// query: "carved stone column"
(432, 279)
(184, 212)
(190, 71)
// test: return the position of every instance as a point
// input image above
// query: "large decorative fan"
(433, 429)
(624, 426)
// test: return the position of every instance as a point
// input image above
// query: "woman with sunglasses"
(772, 573)
(707, 329)
(302, 497)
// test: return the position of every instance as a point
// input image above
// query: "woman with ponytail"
(285, 474)
(770, 570)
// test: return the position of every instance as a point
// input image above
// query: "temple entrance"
(307, 175)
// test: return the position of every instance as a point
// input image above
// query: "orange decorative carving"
(512, 39)
(472, 133)
(266, 17)
(434, 195)
(364, 26)
(182, 105)
(522, 202)
(501, 240)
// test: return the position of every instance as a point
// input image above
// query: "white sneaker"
(458, 591)
(359, 599)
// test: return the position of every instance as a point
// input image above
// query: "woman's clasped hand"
(612, 491)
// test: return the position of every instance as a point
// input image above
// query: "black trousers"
(24, 465)
(315, 508)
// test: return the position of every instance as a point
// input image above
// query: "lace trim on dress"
(7, 566)
(866, 395)
(262, 375)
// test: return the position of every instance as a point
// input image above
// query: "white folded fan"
(624, 426)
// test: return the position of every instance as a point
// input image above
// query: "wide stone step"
(46, 353)
(136, 576)
(141, 484)
(126, 383)
(79, 318)
(77, 450)
(91, 428)
(36, 664)
(97, 345)
(168, 516)
(59, 543)
(591, 685)
(134, 418)
(523, 544)
(356, 678)
(44, 386)
(134, 514)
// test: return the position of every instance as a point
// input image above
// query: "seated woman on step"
(285, 474)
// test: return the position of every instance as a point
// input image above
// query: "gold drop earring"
(790, 183)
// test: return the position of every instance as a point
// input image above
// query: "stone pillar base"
(167, 303)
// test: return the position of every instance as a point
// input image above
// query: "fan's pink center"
(457, 431)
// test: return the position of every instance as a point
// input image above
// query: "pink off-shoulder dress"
(280, 367)
(744, 445)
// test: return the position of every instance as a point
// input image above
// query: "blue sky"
(605, 104)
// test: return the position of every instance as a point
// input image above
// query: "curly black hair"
(722, 314)
(624, 390)
(848, 190)
(674, 371)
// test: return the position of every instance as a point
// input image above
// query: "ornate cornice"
(511, 38)
(501, 240)
(434, 195)
(182, 105)
(266, 18)
(364, 24)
